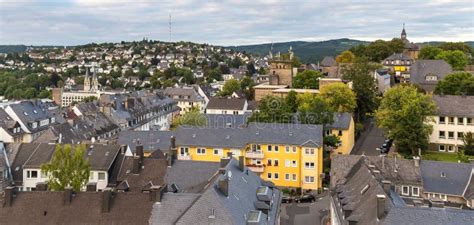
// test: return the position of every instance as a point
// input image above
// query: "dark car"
(286, 199)
(306, 198)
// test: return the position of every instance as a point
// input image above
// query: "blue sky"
(231, 22)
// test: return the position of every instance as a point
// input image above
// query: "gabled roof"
(7, 123)
(180, 175)
(151, 140)
(328, 61)
(29, 112)
(227, 103)
(454, 105)
(445, 177)
(179, 93)
(341, 121)
(421, 68)
(399, 56)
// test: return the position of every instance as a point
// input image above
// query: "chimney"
(173, 143)
(67, 196)
(156, 192)
(91, 187)
(229, 155)
(387, 185)
(139, 152)
(41, 186)
(241, 163)
(224, 186)
(9, 192)
(416, 160)
(136, 165)
(380, 206)
(224, 162)
(106, 200)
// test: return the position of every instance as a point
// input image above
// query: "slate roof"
(454, 105)
(172, 206)
(28, 112)
(328, 61)
(227, 120)
(191, 176)
(421, 68)
(153, 170)
(341, 121)
(234, 209)
(179, 93)
(455, 181)
(37, 207)
(151, 140)
(7, 123)
(432, 216)
(226, 103)
(63, 131)
(399, 56)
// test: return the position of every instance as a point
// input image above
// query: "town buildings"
(187, 98)
(224, 106)
(427, 73)
(454, 117)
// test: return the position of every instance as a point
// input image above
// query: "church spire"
(404, 33)
(87, 81)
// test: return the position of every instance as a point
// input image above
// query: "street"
(369, 141)
(305, 213)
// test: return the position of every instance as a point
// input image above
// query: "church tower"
(403, 36)
(87, 81)
(95, 83)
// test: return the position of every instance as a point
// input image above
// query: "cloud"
(231, 22)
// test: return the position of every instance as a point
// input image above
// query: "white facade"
(447, 132)
(33, 176)
(69, 97)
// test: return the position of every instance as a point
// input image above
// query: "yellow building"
(344, 128)
(399, 64)
(289, 155)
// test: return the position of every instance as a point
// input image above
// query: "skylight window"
(364, 189)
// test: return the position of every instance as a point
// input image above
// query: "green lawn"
(440, 156)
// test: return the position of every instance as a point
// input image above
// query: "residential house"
(343, 127)
(26, 166)
(232, 196)
(10, 130)
(328, 66)
(399, 64)
(427, 73)
(187, 98)
(454, 117)
(33, 118)
(382, 79)
(222, 105)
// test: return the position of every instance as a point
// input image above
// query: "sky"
(231, 22)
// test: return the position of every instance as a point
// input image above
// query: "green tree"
(404, 114)
(468, 143)
(429, 52)
(339, 97)
(272, 110)
(314, 110)
(291, 101)
(363, 84)
(230, 87)
(456, 84)
(457, 59)
(67, 168)
(345, 57)
(308, 79)
(191, 118)
(452, 46)
(331, 140)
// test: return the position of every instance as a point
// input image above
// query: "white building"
(455, 117)
(187, 98)
(227, 106)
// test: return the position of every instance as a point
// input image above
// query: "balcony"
(256, 168)
(254, 154)
(184, 157)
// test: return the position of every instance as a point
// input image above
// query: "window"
(275, 162)
(287, 176)
(451, 120)
(269, 162)
(460, 134)
(294, 164)
(31, 174)
(91, 175)
(256, 148)
(415, 191)
(269, 175)
(460, 120)
(236, 152)
(184, 151)
(405, 190)
(294, 149)
(101, 176)
(269, 148)
(309, 151)
(276, 176)
(309, 179)
(442, 135)
(442, 148)
(309, 165)
(201, 151)
(469, 121)
(442, 120)
(339, 133)
(287, 163)
(217, 151)
(328, 132)
(276, 148)
(287, 149)
(293, 177)
(450, 148)
(450, 134)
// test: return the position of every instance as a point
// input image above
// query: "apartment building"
(187, 98)
(10, 130)
(343, 127)
(454, 117)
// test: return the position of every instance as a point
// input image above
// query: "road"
(305, 213)
(369, 141)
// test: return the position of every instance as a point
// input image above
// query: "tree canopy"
(191, 118)
(456, 58)
(378, 50)
(461, 83)
(230, 87)
(339, 97)
(67, 168)
(404, 114)
(345, 57)
(308, 79)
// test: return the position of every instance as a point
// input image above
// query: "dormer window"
(34, 111)
(431, 78)
(25, 113)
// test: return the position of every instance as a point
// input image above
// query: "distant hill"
(308, 52)
(12, 48)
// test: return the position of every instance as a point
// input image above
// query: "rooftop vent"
(443, 174)
(264, 193)
(255, 217)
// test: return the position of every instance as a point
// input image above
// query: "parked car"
(286, 199)
(305, 198)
